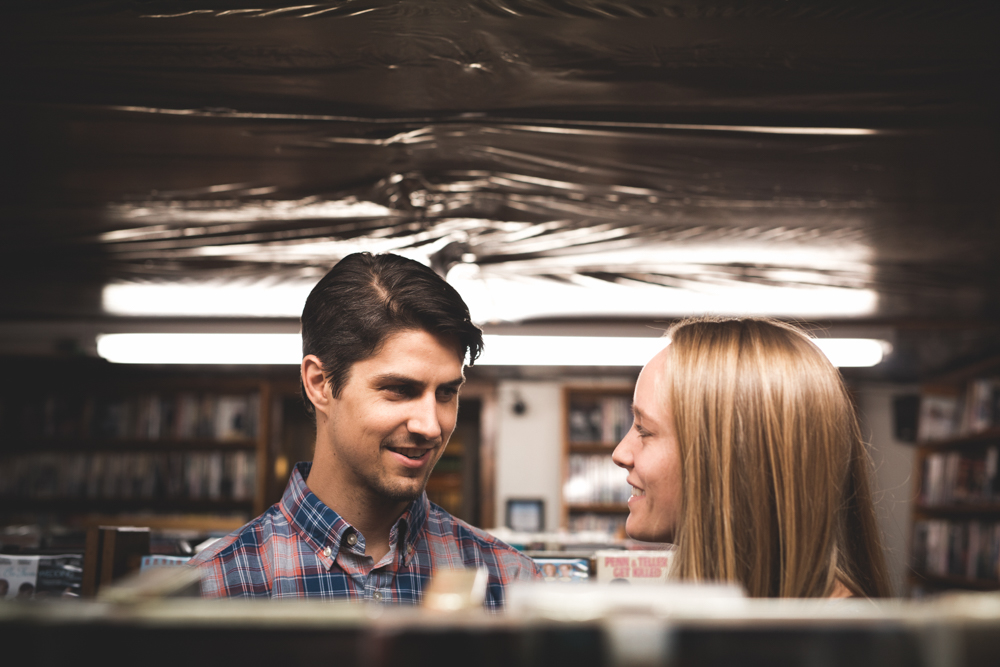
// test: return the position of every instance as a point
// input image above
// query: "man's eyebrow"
(396, 378)
(636, 412)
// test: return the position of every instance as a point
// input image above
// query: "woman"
(746, 453)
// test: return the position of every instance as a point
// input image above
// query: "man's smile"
(412, 453)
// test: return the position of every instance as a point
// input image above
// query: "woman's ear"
(314, 382)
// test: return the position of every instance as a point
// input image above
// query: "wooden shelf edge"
(599, 389)
(84, 446)
(161, 505)
(962, 440)
(954, 581)
(592, 448)
(987, 366)
(599, 508)
(970, 509)
(195, 522)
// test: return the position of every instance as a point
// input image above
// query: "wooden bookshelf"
(594, 419)
(955, 527)
(112, 441)
(463, 479)
(943, 582)
(45, 428)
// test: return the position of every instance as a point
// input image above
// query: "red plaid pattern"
(302, 548)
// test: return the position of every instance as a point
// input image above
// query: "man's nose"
(424, 420)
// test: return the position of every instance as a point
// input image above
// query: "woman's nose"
(622, 456)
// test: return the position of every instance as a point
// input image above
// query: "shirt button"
(377, 595)
(327, 552)
(351, 539)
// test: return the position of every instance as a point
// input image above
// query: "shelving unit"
(594, 491)
(955, 532)
(111, 445)
(445, 484)
(59, 439)
(461, 482)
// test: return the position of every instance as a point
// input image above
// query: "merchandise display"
(955, 533)
(545, 624)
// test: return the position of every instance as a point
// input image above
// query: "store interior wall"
(529, 450)
(893, 483)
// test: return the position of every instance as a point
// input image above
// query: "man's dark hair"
(366, 298)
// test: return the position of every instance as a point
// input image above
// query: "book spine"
(967, 549)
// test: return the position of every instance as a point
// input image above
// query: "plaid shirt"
(302, 548)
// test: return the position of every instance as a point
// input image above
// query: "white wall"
(893, 481)
(529, 447)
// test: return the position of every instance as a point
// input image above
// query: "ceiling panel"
(656, 157)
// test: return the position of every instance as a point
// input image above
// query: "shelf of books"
(595, 493)
(444, 487)
(955, 535)
(152, 446)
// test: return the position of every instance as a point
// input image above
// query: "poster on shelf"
(573, 570)
(18, 575)
(59, 576)
(618, 566)
(26, 577)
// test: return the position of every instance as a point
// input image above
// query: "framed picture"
(526, 515)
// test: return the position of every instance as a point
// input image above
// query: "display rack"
(151, 446)
(86, 443)
(594, 491)
(955, 532)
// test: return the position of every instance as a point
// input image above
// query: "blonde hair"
(774, 472)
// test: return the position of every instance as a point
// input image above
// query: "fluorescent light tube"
(568, 350)
(207, 299)
(853, 352)
(193, 348)
(190, 348)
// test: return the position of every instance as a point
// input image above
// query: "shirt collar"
(413, 521)
(322, 527)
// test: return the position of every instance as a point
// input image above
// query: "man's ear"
(314, 382)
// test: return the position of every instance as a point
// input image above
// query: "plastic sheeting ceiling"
(685, 146)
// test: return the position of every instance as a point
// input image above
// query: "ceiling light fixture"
(247, 298)
(500, 350)
(200, 348)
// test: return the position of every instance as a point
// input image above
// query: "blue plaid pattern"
(302, 548)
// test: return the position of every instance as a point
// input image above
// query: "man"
(384, 343)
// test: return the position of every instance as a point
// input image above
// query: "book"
(594, 478)
(160, 560)
(232, 414)
(59, 576)
(938, 416)
(18, 577)
(978, 414)
(604, 419)
(576, 570)
(968, 549)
